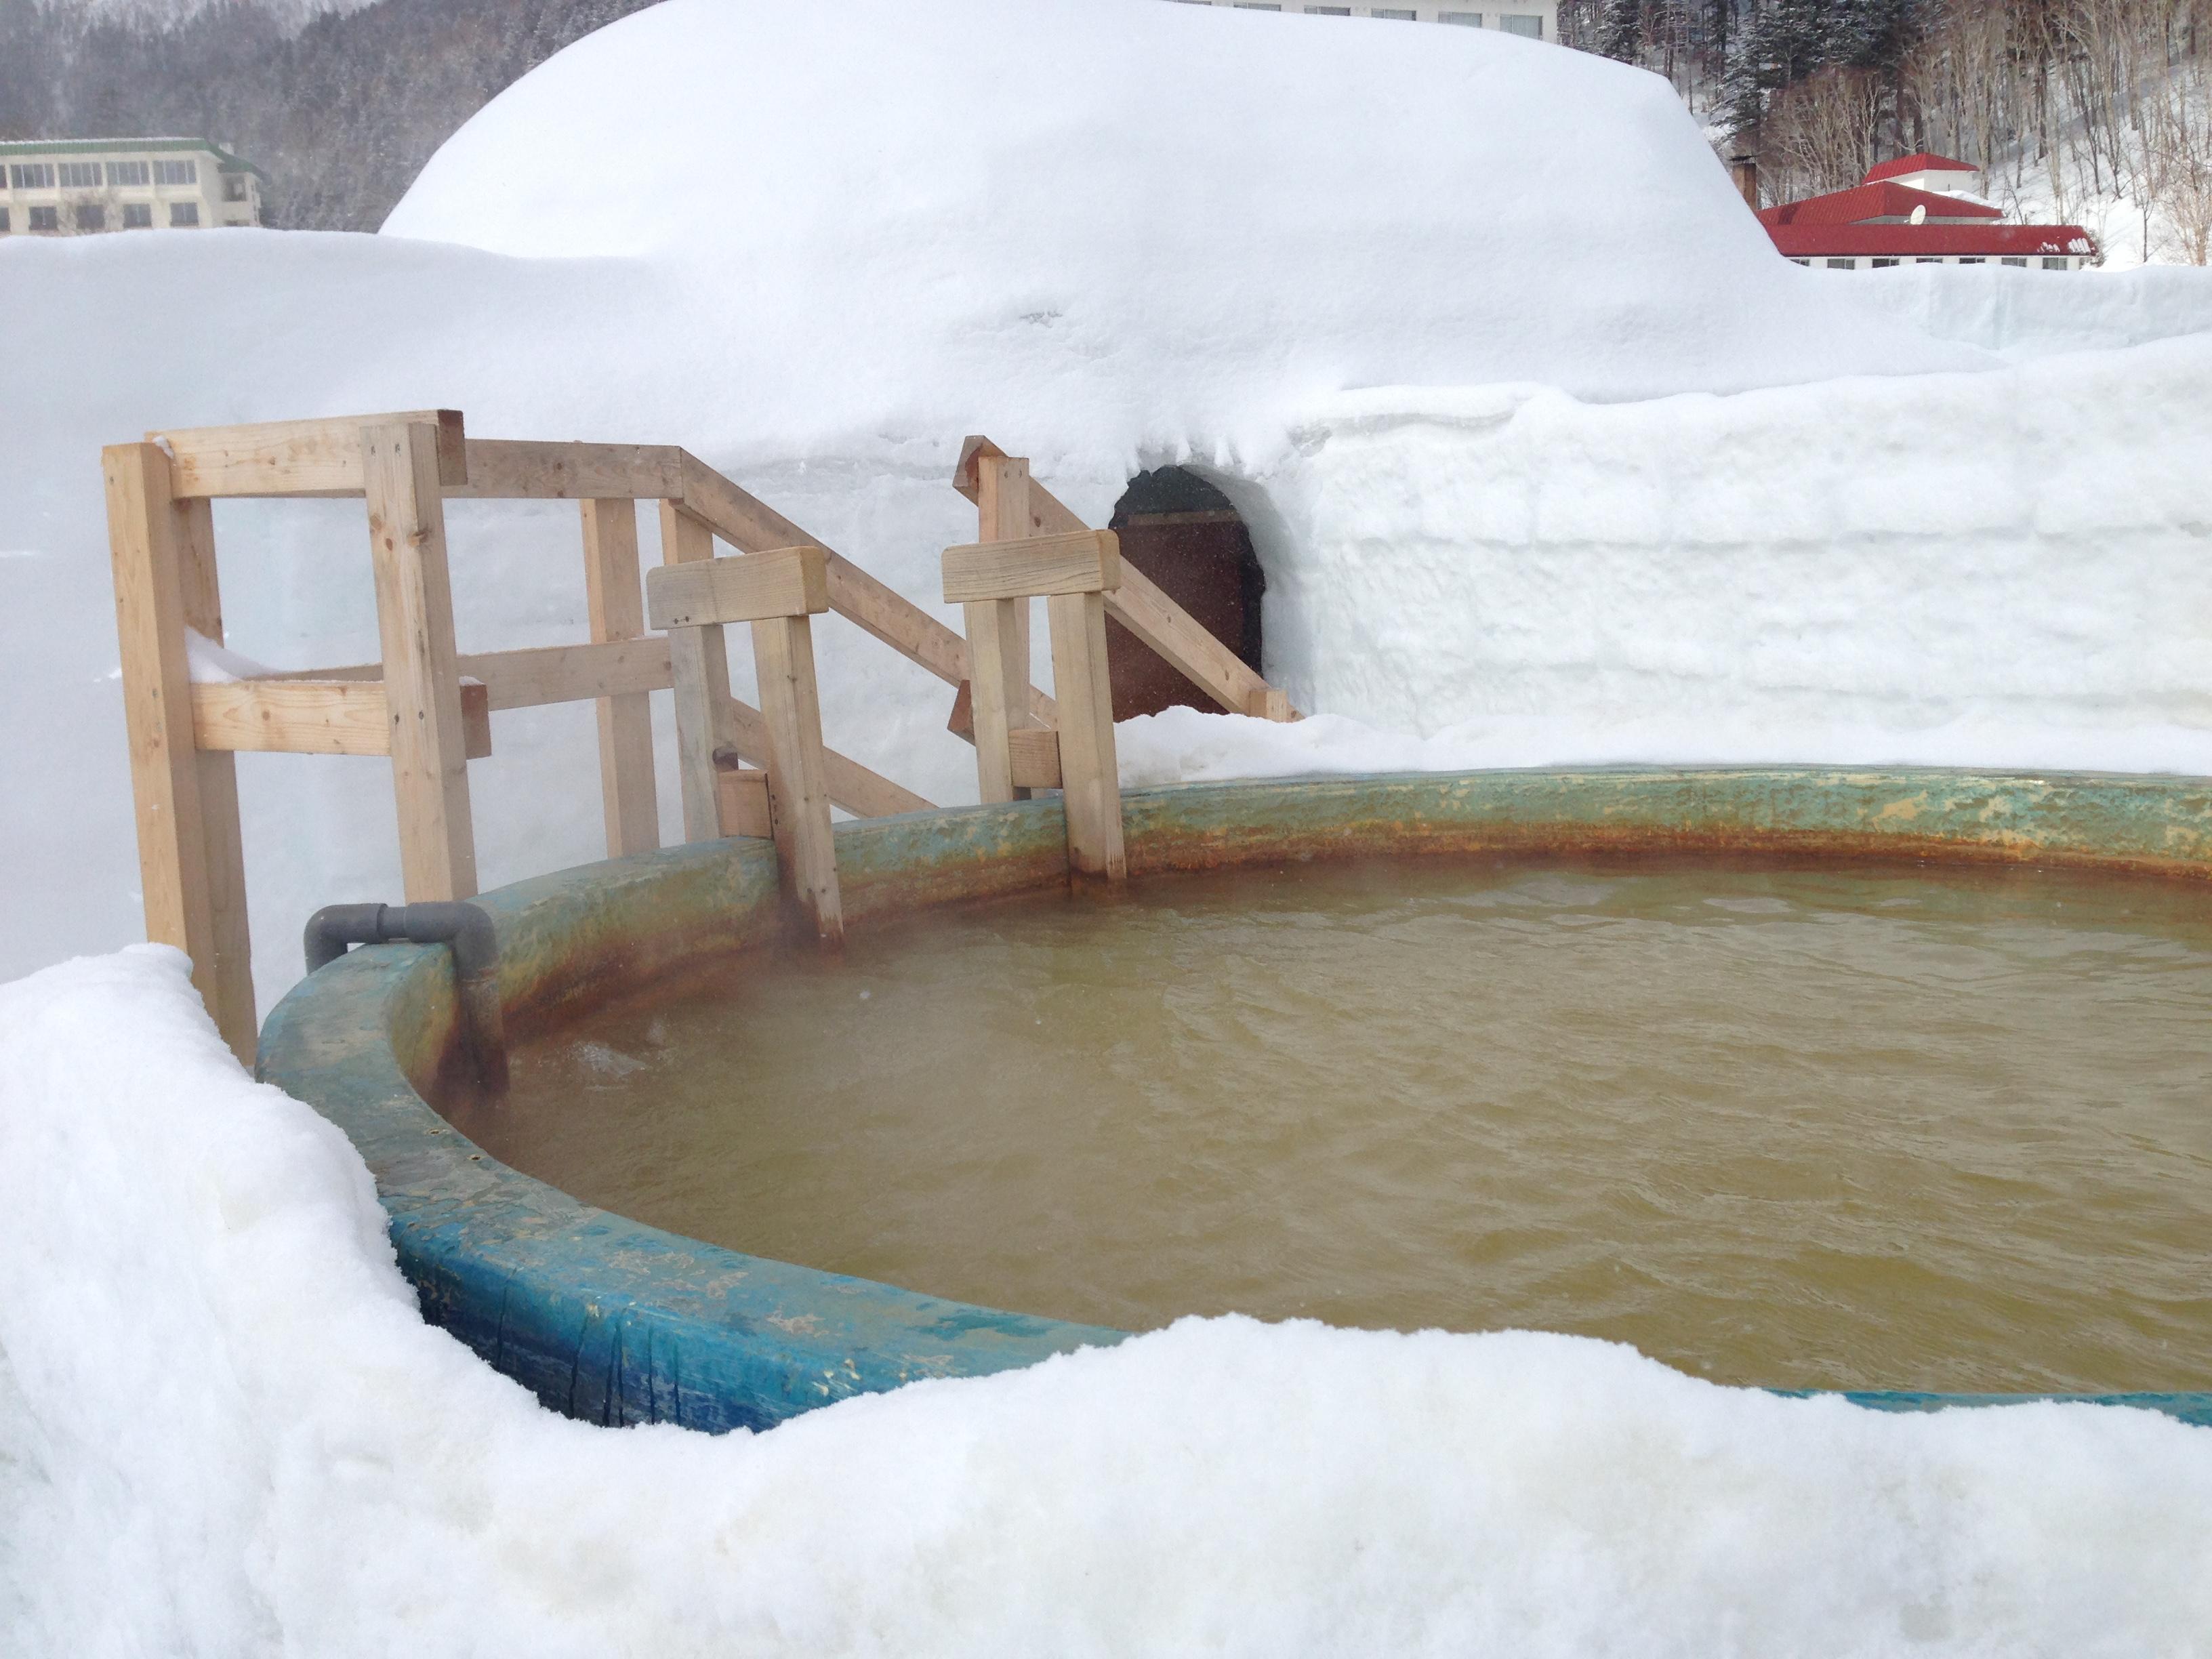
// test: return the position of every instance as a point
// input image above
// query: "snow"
(1549, 459)
(223, 1428)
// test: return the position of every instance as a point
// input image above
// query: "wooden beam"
(751, 525)
(502, 469)
(1034, 753)
(744, 796)
(998, 627)
(1086, 561)
(144, 542)
(863, 793)
(421, 679)
(538, 675)
(614, 600)
(1091, 782)
(699, 662)
(315, 717)
(784, 582)
(223, 837)
(299, 458)
(798, 785)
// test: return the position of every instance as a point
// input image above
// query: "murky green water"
(1791, 1128)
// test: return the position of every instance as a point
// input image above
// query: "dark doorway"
(1181, 531)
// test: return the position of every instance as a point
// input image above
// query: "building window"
(184, 214)
(128, 173)
(233, 186)
(2048, 264)
(1472, 20)
(1883, 265)
(1387, 11)
(1930, 261)
(1522, 23)
(176, 172)
(4, 226)
(1841, 265)
(90, 216)
(1975, 260)
(1242, 5)
(32, 175)
(46, 218)
(1795, 260)
(137, 216)
(80, 175)
(1328, 11)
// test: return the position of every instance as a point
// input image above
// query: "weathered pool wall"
(617, 1322)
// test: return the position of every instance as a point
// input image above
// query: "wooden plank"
(1035, 754)
(1002, 514)
(799, 789)
(614, 600)
(504, 469)
(299, 458)
(784, 582)
(863, 793)
(744, 796)
(699, 665)
(1271, 703)
(538, 675)
(421, 678)
(223, 837)
(315, 717)
(1091, 782)
(996, 652)
(143, 543)
(751, 525)
(1087, 561)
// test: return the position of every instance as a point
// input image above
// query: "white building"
(1537, 19)
(83, 186)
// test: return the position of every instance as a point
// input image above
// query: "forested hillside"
(2088, 110)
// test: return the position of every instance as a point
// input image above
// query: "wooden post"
(699, 662)
(999, 633)
(1090, 776)
(422, 682)
(799, 795)
(157, 547)
(615, 597)
(222, 837)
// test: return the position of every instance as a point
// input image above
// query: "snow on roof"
(1931, 241)
(1863, 203)
(1919, 161)
(1113, 224)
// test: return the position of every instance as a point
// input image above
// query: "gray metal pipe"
(475, 945)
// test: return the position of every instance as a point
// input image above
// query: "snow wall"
(1548, 456)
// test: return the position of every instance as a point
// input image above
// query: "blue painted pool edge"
(612, 1321)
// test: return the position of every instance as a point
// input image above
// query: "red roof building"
(1917, 210)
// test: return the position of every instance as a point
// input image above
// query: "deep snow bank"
(2033, 313)
(214, 1391)
(1152, 222)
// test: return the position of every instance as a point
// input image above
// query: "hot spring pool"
(1811, 1128)
(1891, 1082)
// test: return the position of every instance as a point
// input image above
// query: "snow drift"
(224, 1430)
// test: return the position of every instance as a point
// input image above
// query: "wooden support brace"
(421, 679)
(301, 457)
(745, 800)
(1090, 781)
(615, 600)
(799, 787)
(188, 903)
(699, 662)
(315, 717)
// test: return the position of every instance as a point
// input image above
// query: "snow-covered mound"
(224, 1430)
(1144, 221)
(2024, 313)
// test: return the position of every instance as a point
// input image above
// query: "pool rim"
(612, 1320)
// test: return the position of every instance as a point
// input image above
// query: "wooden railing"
(427, 707)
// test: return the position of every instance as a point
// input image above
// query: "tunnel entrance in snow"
(1181, 531)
